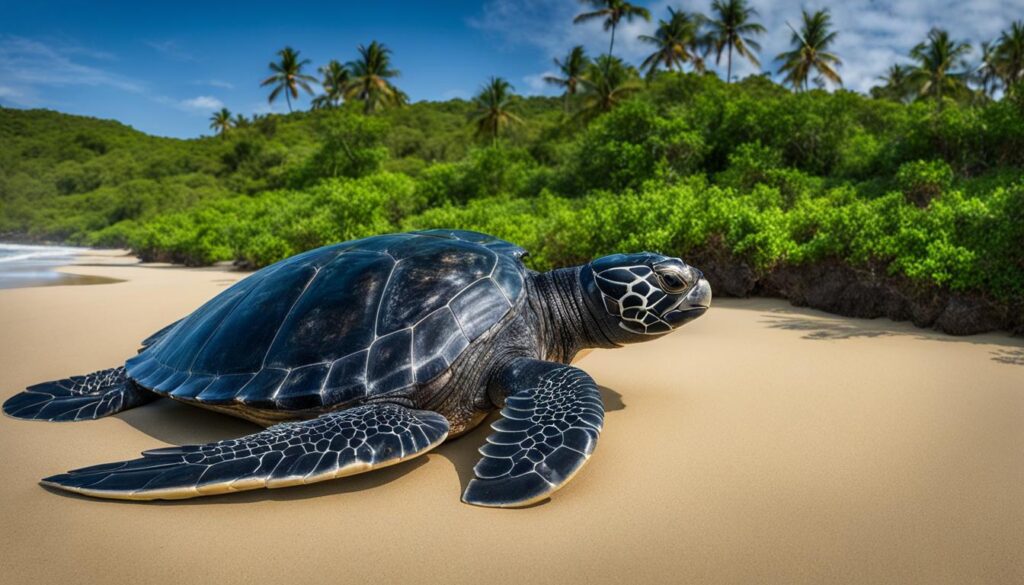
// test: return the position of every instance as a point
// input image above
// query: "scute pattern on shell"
(340, 323)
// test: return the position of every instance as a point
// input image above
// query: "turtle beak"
(693, 305)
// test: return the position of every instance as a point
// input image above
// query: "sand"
(760, 444)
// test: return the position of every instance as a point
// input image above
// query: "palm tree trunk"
(288, 99)
(728, 75)
(611, 45)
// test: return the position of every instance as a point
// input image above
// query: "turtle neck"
(567, 322)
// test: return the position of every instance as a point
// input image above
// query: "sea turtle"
(366, 353)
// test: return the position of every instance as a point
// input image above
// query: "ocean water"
(23, 265)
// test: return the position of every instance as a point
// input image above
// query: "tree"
(897, 84)
(673, 40)
(701, 44)
(240, 121)
(572, 69)
(334, 79)
(220, 122)
(351, 145)
(612, 11)
(288, 77)
(607, 83)
(1009, 54)
(493, 108)
(812, 43)
(732, 28)
(987, 73)
(370, 79)
(940, 66)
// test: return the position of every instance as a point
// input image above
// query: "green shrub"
(921, 181)
(633, 144)
(692, 164)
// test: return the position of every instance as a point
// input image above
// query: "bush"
(921, 181)
(630, 145)
(764, 176)
(351, 145)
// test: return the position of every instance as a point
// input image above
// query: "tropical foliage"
(221, 121)
(371, 79)
(608, 82)
(941, 65)
(611, 13)
(677, 42)
(287, 76)
(811, 52)
(572, 68)
(733, 28)
(749, 173)
(494, 108)
(335, 78)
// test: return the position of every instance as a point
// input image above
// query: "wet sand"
(24, 265)
(760, 444)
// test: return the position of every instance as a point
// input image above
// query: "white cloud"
(873, 34)
(29, 66)
(171, 50)
(218, 83)
(536, 84)
(203, 103)
(262, 108)
(9, 93)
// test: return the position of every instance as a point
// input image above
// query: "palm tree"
(987, 73)
(812, 43)
(288, 76)
(940, 63)
(220, 122)
(335, 77)
(1010, 54)
(898, 85)
(239, 121)
(673, 41)
(493, 108)
(612, 11)
(572, 69)
(370, 75)
(732, 28)
(701, 44)
(607, 83)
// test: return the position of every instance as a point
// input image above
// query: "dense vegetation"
(924, 195)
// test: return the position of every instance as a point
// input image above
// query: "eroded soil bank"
(864, 293)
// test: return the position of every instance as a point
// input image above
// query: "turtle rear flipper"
(78, 397)
(334, 445)
(551, 421)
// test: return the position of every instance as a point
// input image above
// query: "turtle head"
(644, 295)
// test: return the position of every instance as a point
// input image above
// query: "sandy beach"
(760, 444)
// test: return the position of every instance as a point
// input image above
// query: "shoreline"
(832, 288)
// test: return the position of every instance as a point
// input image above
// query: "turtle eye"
(672, 281)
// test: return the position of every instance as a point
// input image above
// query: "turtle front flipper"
(551, 420)
(337, 444)
(78, 398)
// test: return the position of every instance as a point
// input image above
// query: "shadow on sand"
(180, 424)
(1013, 357)
(825, 327)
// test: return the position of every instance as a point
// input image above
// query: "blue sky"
(164, 67)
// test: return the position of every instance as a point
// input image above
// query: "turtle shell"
(338, 324)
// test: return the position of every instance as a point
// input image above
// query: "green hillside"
(923, 201)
